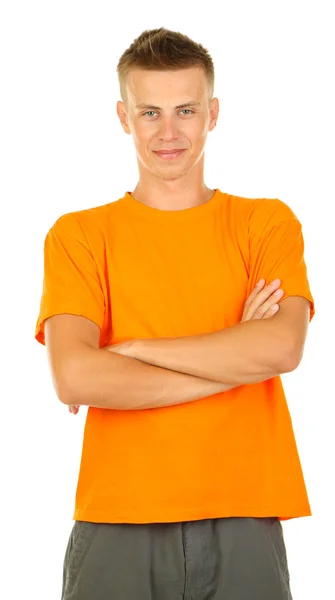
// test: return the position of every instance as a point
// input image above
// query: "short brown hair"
(164, 50)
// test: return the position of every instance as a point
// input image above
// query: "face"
(168, 110)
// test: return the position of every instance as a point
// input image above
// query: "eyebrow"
(191, 103)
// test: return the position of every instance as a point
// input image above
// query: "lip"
(169, 154)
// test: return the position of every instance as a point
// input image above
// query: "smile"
(169, 155)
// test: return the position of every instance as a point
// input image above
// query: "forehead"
(162, 87)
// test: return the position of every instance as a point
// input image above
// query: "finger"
(264, 294)
(255, 291)
(263, 298)
(272, 311)
(254, 312)
(259, 295)
(252, 297)
(262, 310)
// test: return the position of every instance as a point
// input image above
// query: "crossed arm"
(153, 373)
(249, 352)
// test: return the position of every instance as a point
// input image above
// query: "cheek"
(143, 135)
(195, 131)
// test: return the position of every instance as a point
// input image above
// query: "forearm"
(247, 353)
(107, 380)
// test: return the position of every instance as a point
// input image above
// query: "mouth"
(169, 154)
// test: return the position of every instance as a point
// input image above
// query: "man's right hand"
(262, 303)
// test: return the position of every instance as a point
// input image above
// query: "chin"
(168, 172)
(171, 176)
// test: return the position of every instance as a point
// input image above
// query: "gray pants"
(235, 558)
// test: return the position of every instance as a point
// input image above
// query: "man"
(152, 318)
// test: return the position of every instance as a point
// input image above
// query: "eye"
(153, 111)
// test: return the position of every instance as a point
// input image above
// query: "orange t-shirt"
(141, 272)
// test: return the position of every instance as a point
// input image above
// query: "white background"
(63, 149)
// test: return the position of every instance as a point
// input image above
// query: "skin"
(179, 183)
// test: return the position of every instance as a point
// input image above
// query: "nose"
(168, 130)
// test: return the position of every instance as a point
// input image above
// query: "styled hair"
(164, 50)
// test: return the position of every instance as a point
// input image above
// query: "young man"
(151, 317)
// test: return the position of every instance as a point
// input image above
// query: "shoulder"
(261, 210)
(85, 223)
(266, 213)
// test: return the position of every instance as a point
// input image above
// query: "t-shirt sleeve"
(277, 250)
(71, 283)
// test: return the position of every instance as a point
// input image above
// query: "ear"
(122, 114)
(214, 113)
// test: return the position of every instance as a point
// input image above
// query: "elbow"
(60, 388)
(65, 396)
(66, 392)
(290, 360)
(68, 395)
